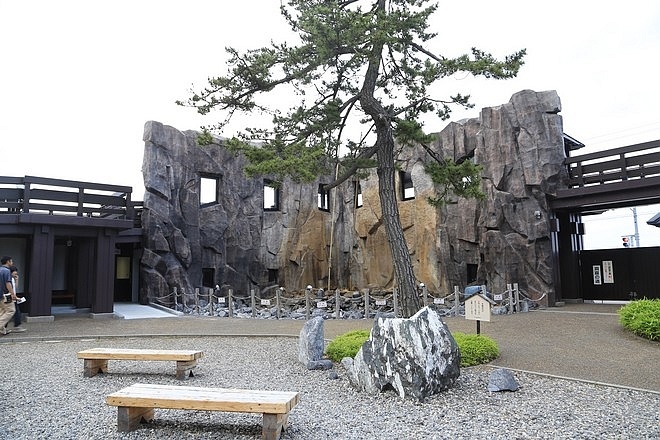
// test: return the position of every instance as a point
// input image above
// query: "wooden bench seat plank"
(96, 359)
(210, 399)
(137, 402)
(140, 354)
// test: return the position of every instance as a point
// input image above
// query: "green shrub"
(346, 345)
(642, 317)
(475, 349)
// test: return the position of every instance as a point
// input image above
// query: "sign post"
(477, 308)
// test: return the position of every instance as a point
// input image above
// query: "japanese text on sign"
(477, 309)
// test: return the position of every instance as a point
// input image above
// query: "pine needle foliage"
(356, 74)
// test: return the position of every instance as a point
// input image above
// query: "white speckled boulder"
(417, 357)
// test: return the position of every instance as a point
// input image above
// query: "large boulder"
(417, 357)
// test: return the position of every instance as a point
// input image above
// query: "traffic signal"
(625, 241)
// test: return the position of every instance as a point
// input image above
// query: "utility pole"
(634, 210)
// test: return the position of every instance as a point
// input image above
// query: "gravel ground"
(47, 397)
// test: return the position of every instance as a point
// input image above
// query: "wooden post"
(337, 304)
(253, 303)
(510, 295)
(210, 302)
(457, 301)
(308, 291)
(231, 305)
(366, 303)
(516, 296)
(278, 293)
(176, 300)
(396, 302)
(425, 294)
(197, 300)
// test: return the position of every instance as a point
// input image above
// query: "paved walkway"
(579, 341)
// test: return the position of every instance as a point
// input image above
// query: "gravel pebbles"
(46, 396)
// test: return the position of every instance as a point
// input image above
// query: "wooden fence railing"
(39, 195)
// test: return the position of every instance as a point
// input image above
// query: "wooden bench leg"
(128, 418)
(273, 425)
(184, 369)
(94, 366)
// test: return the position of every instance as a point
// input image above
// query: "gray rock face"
(234, 242)
(417, 357)
(310, 343)
(502, 380)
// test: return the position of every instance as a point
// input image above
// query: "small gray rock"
(323, 364)
(502, 380)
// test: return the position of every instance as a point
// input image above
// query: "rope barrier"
(275, 301)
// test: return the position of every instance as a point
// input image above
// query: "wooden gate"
(620, 274)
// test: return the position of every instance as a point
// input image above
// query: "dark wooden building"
(75, 244)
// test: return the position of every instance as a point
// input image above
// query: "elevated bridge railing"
(639, 161)
(612, 178)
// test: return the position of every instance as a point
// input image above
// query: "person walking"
(7, 305)
(17, 315)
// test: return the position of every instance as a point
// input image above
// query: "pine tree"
(355, 62)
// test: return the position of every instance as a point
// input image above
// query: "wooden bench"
(96, 359)
(137, 402)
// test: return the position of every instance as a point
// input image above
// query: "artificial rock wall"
(503, 239)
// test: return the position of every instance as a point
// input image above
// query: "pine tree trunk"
(403, 269)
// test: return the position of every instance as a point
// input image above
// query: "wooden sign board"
(477, 308)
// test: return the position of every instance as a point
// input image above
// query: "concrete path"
(578, 341)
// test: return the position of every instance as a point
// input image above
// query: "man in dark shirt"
(7, 305)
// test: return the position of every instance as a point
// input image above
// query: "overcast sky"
(79, 79)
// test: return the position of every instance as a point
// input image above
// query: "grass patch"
(642, 317)
(475, 349)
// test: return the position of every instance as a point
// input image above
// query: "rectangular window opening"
(208, 277)
(323, 198)
(407, 189)
(358, 195)
(209, 189)
(271, 196)
(471, 273)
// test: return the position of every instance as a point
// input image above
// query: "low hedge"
(642, 317)
(346, 345)
(475, 349)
